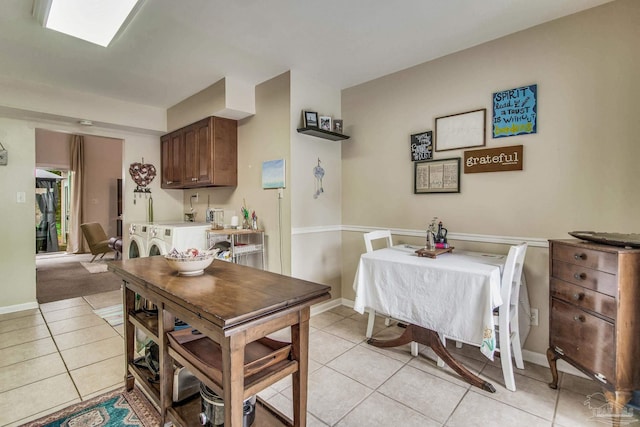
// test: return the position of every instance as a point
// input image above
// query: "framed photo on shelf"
(463, 130)
(437, 176)
(310, 119)
(325, 123)
(337, 126)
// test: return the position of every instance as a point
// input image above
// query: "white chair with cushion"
(506, 316)
(368, 243)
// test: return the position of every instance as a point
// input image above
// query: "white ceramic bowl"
(191, 266)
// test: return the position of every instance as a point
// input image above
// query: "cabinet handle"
(169, 182)
(578, 296)
(579, 318)
(580, 276)
(194, 179)
(580, 256)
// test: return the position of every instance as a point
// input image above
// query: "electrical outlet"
(534, 317)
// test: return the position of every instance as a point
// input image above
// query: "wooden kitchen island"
(234, 307)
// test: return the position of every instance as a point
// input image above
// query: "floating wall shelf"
(321, 133)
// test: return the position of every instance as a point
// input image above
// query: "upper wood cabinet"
(203, 154)
(172, 160)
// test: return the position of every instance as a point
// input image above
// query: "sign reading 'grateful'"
(493, 159)
(515, 111)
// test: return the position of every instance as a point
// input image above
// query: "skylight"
(96, 21)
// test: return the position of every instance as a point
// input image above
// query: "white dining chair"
(368, 243)
(507, 332)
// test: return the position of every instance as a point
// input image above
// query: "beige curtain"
(76, 243)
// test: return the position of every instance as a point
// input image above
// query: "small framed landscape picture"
(337, 126)
(310, 119)
(325, 123)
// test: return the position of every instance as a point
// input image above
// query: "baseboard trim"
(18, 307)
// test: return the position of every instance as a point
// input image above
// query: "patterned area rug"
(113, 409)
(112, 314)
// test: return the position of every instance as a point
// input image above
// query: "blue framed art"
(515, 111)
(273, 174)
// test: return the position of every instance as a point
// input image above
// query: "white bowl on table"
(187, 264)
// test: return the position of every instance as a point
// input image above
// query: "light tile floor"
(63, 353)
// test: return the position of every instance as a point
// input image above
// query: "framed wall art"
(437, 176)
(421, 146)
(273, 174)
(463, 130)
(338, 125)
(515, 111)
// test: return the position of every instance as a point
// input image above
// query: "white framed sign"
(463, 130)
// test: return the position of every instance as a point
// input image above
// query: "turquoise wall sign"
(515, 111)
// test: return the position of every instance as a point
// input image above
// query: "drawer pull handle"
(580, 256)
(169, 182)
(194, 179)
(578, 296)
(579, 318)
(580, 276)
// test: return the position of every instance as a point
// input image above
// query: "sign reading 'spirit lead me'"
(493, 159)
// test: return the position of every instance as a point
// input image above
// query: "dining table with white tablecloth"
(453, 294)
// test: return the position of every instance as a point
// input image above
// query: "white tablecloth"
(453, 294)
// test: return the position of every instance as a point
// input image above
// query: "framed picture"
(437, 176)
(463, 130)
(337, 126)
(310, 119)
(421, 146)
(273, 174)
(515, 111)
(325, 123)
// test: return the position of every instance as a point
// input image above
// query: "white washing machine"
(163, 237)
(138, 240)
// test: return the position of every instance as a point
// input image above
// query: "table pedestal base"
(430, 338)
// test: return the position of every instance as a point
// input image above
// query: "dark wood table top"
(227, 294)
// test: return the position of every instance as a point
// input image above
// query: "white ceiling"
(175, 48)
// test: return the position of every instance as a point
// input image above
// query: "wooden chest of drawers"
(595, 314)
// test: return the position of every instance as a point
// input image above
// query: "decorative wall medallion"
(142, 173)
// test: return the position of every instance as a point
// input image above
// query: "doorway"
(52, 210)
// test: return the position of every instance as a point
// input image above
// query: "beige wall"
(579, 169)
(316, 237)
(17, 253)
(265, 136)
(53, 150)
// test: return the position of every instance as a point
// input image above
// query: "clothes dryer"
(138, 240)
(181, 236)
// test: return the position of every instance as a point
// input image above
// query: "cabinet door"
(197, 153)
(225, 152)
(171, 148)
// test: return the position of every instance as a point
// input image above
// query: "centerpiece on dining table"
(436, 242)
(190, 262)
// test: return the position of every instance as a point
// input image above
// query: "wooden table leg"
(430, 338)
(300, 349)
(233, 378)
(129, 299)
(552, 358)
